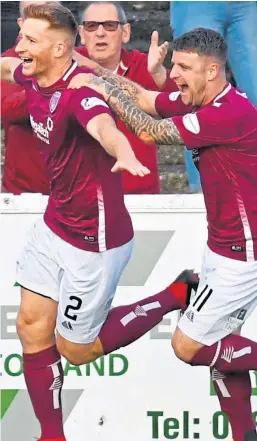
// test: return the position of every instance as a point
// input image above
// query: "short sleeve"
(86, 104)
(170, 104)
(206, 127)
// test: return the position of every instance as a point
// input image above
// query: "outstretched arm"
(143, 98)
(8, 66)
(148, 129)
(103, 128)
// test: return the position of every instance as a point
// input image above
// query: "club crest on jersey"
(54, 101)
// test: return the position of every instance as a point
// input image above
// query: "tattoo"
(143, 125)
(130, 89)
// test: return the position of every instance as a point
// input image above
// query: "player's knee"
(33, 330)
(181, 350)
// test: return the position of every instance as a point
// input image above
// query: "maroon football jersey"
(224, 132)
(86, 204)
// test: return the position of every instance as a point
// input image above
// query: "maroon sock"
(126, 324)
(234, 393)
(232, 354)
(44, 378)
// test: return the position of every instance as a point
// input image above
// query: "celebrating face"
(192, 74)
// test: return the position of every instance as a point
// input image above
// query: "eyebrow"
(184, 65)
(28, 36)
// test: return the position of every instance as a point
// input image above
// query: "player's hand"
(156, 54)
(86, 79)
(131, 165)
(84, 61)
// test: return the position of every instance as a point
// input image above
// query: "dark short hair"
(55, 14)
(204, 42)
(120, 11)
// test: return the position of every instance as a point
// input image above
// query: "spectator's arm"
(13, 103)
(156, 57)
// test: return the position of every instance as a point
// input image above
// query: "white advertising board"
(141, 392)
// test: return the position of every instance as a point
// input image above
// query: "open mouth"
(183, 87)
(101, 45)
(26, 60)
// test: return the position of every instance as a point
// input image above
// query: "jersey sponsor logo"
(54, 101)
(173, 96)
(191, 123)
(40, 130)
(90, 238)
(89, 103)
(237, 248)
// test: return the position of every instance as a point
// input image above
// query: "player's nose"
(20, 47)
(174, 73)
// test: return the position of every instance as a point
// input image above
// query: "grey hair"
(120, 11)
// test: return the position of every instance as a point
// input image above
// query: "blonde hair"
(55, 14)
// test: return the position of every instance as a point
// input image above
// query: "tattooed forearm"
(130, 89)
(143, 125)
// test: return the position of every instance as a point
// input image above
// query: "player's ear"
(19, 22)
(213, 71)
(59, 49)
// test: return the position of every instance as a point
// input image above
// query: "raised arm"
(155, 60)
(103, 129)
(143, 98)
(8, 66)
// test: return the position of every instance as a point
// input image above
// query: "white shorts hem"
(76, 340)
(34, 289)
(205, 340)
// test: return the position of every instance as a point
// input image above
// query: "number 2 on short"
(73, 307)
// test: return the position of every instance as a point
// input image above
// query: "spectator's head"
(103, 30)
(199, 58)
(47, 39)
(23, 5)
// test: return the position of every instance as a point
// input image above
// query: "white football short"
(82, 282)
(226, 296)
